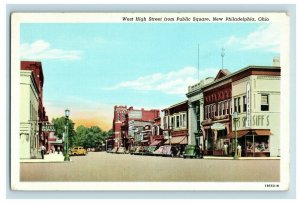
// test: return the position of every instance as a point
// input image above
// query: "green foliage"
(59, 125)
(92, 137)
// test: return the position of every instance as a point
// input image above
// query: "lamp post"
(67, 157)
(235, 118)
(106, 145)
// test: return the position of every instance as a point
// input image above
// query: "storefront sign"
(248, 117)
(135, 114)
(218, 126)
(48, 128)
(257, 121)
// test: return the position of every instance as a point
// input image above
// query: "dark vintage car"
(192, 151)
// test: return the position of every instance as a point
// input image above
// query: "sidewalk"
(241, 158)
(48, 158)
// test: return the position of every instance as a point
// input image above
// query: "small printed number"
(271, 185)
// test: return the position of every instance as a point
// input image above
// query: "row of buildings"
(206, 116)
(35, 129)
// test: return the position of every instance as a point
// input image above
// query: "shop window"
(244, 104)
(264, 102)
(257, 144)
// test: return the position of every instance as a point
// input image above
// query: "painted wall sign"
(248, 116)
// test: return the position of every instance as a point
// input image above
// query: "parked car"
(150, 151)
(75, 151)
(164, 151)
(192, 151)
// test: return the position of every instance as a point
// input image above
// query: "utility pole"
(222, 55)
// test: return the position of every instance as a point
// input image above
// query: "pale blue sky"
(92, 67)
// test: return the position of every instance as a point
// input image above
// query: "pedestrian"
(225, 149)
(58, 149)
(201, 151)
(239, 150)
(43, 149)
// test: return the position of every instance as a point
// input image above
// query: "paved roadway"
(102, 166)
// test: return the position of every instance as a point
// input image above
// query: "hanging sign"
(218, 126)
(248, 116)
(48, 128)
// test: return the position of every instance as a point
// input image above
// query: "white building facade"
(195, 111)
(258, 122)
(29, 139)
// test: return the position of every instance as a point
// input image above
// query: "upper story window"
(223, 108)
(230, 106)
(239, 105)
(172, 121)
(166, 122)
(264, 102)
(177, 122)
(244, 104)
(226, 107)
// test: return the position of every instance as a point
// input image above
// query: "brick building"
(175, 125)
(254, 93)
(126, 121)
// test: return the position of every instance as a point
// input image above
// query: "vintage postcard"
(150, 101)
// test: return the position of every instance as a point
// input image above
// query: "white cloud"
(41, 49)
(266, 37)
(174, 82)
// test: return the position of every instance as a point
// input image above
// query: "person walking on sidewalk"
(239, 150)
(43, 149)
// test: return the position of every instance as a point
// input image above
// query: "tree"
(92, 137)
(59, 125)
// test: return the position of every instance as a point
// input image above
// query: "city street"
(102, 166)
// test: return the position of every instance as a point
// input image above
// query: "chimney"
(276, 61)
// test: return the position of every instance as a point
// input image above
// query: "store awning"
(256, 132)
(177, 140)
(155, 142)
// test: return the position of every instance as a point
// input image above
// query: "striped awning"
(155, 143)
(178, 140)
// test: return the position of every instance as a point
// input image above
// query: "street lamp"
(67, 157)
(106, 145)
(235, 119)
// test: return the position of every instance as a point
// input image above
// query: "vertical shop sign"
(248, 118)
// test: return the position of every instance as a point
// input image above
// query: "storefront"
(254, 142)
